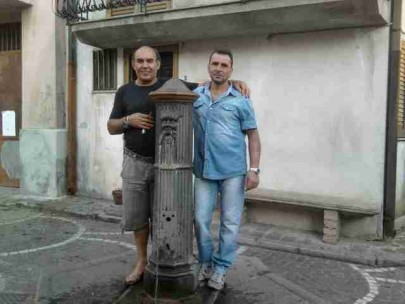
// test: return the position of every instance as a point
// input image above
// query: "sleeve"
(247, 115)
(118, 110)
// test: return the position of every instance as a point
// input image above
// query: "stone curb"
(48, 207)
(377, 259)
(363, 259)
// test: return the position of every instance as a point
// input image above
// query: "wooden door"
(10, 106)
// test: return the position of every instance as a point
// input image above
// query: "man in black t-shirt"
(133, 115)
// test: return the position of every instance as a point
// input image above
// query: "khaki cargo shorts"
(137, 191)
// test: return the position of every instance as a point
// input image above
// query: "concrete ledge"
(12, 4)
(310, 201)
(236, 18)
(332, 207)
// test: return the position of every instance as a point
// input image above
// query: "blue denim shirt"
(219, 137)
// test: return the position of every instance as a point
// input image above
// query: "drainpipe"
(391, 129)
(71, 114)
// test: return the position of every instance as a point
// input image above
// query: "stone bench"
(332, 208)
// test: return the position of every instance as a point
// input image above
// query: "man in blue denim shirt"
(222, 119)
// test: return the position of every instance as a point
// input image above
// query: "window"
(10, 37)
(401, 94)
(168, 65)
(152, 5)
(105, 70)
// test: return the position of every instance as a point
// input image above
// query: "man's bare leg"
(141, 242)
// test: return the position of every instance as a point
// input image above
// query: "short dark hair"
(157, 55)
(222, 52)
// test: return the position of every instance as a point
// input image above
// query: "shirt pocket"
(229, 112)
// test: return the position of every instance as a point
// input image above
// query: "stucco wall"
(44, 64)
(43, 137)
(320, 100)
(99, 153)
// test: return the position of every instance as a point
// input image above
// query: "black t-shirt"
(131, 98)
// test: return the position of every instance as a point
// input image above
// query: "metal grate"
(105, 70)
(10, 37)
(76, 10)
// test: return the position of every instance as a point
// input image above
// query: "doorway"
(10, 103)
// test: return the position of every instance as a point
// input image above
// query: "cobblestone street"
(47, 258)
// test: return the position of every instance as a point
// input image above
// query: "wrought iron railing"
(77, 10)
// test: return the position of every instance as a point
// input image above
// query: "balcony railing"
(78, 10)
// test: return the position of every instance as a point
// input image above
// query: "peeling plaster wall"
(43, 137)
(10, 160)
(99, 153)
(43, 155)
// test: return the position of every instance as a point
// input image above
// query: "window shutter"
(132, 9)
(401, 94)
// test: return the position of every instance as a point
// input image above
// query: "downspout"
(72, 114)
(391, 121)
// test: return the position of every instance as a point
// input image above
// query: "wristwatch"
(125, 123)
(255, 170)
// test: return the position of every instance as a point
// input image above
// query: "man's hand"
(141, 121)
(252, 180)
(242, 87)
(239, 85)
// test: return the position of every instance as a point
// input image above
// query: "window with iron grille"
(10, 37)
(105, 70)
(401, 94)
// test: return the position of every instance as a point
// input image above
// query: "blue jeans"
(232, 192)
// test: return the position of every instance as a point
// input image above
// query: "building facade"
(326, 86)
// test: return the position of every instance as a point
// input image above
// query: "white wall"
(43, 68)
(320, 100)
(99, 153)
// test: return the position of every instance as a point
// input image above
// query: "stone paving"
(374, 253)
(72, 251)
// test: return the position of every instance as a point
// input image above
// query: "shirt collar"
(231, 90)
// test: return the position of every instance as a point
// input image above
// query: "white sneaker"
(217, 281)
(204, 273)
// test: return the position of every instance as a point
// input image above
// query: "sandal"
(133, 278)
